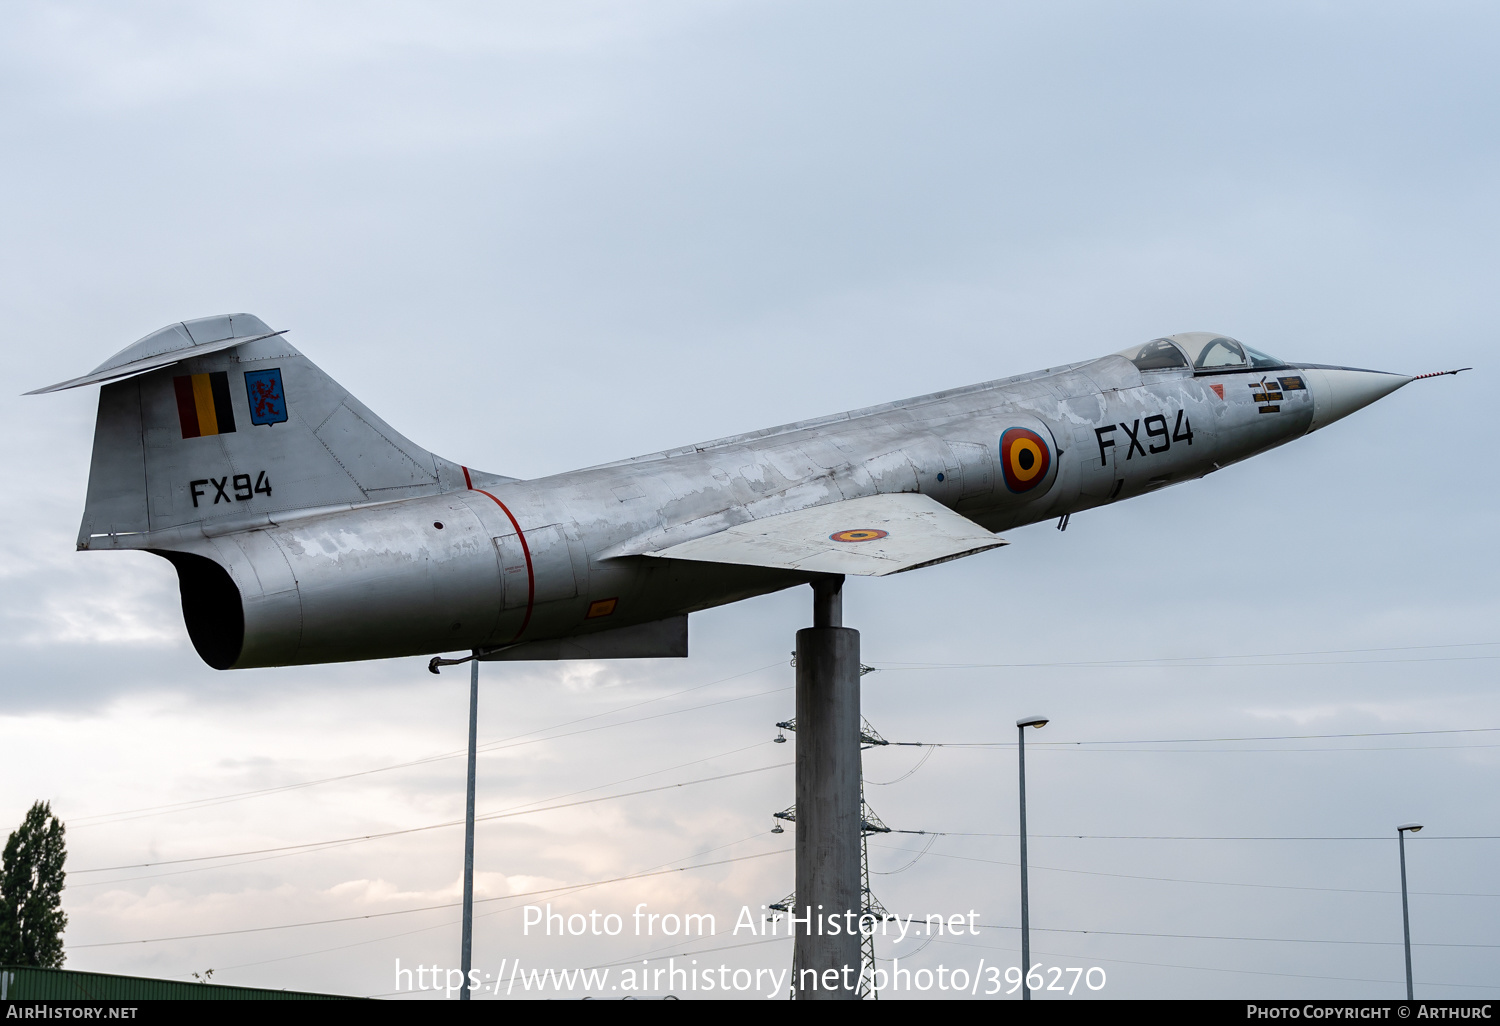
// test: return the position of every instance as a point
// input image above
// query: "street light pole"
(466, 950)
(466, 943)
(1021, 725)
(1405, 915)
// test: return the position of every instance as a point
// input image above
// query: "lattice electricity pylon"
(868, 737)
(869, 823)
(870, 905)
(863, 669)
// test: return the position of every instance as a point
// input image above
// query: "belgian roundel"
(858, 534)
(1024, 458)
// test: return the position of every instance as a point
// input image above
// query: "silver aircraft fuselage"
(583, 564)
(1119, 432)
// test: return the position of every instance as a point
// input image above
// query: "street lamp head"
(1032, 721)
(1413, 827)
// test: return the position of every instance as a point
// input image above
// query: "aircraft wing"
(870, 537)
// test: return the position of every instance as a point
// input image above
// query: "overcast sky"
(536, 237)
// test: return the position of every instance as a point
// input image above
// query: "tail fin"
(234, 436)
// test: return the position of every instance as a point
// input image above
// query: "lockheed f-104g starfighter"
(304, 529)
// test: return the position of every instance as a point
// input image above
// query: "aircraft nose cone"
(1339, 391)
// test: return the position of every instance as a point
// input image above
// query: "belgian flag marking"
(203, 404)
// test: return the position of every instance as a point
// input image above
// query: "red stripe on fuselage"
(525, 551)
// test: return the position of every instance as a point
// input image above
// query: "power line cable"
(1057, 745)
(1145, 665)
(892, 872)
(1198, 661)
(523, 811)
(448, 923)
(424, 908)
(97, 819)
(1275, 737)
(920, 763)
(1219, 937)
(1049, 745)
(1185, 837)
(104, 818)
(200, 869)
(1206, 883)
(341, 842)
(504, 814)
(1268, 751)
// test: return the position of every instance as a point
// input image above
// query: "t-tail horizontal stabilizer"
(173, 344)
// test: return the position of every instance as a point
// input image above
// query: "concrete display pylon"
(827, 964)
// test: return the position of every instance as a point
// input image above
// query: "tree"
(31, 883)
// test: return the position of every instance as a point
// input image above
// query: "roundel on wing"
(1024, 458)
(858, 534)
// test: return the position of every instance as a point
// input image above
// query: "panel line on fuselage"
(525, 551)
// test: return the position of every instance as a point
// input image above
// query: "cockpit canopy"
(1203, 351)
